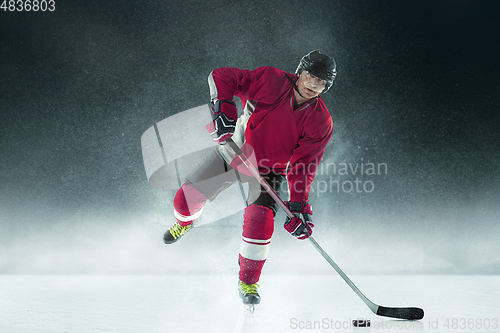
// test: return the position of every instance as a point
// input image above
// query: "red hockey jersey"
(283, 139)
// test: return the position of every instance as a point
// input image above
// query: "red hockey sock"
(258, 227)
(188, 204)
(250, 269)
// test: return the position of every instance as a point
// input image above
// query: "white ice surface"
(209, 303)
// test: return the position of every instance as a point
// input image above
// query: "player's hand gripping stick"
(296, 225)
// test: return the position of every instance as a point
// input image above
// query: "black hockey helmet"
(320, 65)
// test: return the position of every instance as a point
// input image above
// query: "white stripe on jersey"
(213, 89)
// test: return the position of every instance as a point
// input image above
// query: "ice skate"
(248, 293)
(175, 232)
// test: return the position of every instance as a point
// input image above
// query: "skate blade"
(246, 319)
(249, 308)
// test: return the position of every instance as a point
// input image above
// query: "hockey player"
(285, 129)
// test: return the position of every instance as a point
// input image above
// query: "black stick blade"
(402, 313)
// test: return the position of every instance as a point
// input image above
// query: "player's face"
(309, 85)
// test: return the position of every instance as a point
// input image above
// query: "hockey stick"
(409, 313)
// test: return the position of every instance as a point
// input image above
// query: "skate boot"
(175, 232)
(248, 293)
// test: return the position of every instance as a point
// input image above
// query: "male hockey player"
(285, 129)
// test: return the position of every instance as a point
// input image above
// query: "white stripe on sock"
(184, 218)
(261, 241)
(254, 251)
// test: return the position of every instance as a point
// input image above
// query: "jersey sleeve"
(262, 84)
(307, 156)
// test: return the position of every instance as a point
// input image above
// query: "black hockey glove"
(297, 225)
(224, 115)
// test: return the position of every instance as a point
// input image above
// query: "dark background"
(417, 88)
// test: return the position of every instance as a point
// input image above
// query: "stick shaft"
(280, 202)
(370, 304)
